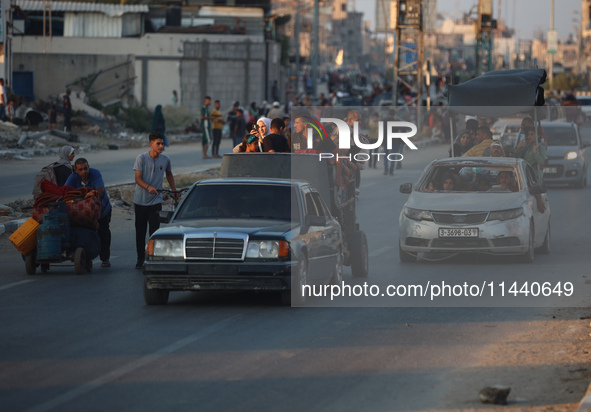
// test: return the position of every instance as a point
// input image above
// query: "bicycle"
(167, 194)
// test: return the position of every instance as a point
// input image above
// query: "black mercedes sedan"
(245, 234)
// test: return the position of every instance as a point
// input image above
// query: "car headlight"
(505, 214)
(267, 249)
(417, 214)
(166, 248)
(571, 155)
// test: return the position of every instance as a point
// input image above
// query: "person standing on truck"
(150, 169)
(275, 142)
(85, 176)
(484, 139)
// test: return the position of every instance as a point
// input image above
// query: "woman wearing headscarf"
(64, 167)
(462, 143)
(264, 129)
(159, 125)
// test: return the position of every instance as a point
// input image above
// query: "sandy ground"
(547, 367)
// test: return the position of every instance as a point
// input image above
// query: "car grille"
(559, 171)
(460, 218)
(214, 248)
(459, 243)
(506, 241)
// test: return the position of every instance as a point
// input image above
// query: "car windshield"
(265, 201)
(560, 136)
(473, 178)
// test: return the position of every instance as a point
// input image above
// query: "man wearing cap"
(495, 150)
(484, 139)
(276, 111)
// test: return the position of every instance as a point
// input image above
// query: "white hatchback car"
(489, 205)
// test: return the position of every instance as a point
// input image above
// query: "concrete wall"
(226, 67)
(225, 71)
(162, 78)
(52, 72)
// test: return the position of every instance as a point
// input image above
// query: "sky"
(526, 16)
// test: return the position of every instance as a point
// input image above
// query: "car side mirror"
(586, 143)
(537, 189)
(165, 215)
(406, 188)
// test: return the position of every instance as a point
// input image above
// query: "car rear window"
(560, 136)
(584, 101)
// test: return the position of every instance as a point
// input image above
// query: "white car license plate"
(551, 170)
(473, 232)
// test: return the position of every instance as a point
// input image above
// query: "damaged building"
(139, 54)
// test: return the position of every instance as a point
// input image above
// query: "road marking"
(368, 184)
(130, 367)
(380, 251)
(10, 285)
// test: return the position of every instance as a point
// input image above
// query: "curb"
(11, 226)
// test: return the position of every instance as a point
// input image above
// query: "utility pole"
(297, 47)
(408, 52)
(551, 53)
(315, 47)
(484, 32)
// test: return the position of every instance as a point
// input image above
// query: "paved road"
(88, 343)
(116, 166)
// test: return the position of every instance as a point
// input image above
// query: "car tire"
(545, 248)
(406, 257)
(31, 263)
(528, 257)
(155, 296)
(359, 254)
(337, 274)
(296, 295)
(80, 261)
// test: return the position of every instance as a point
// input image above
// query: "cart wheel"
(44, 267)
(359, 254)
(31, 263)
(79, 261)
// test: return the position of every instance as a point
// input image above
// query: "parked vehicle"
(585, 105)
(505, 125)
(245, 234)
(567, 162)
(478, 214)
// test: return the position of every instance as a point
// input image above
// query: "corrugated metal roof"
(112, 10)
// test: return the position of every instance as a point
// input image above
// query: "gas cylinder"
(49, 239)
(63, 219)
